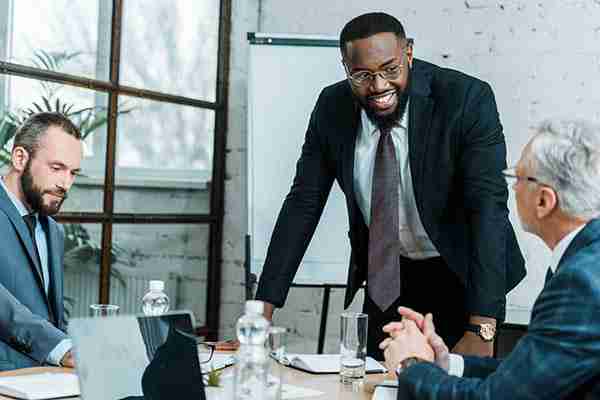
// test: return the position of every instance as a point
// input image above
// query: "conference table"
(328, 384)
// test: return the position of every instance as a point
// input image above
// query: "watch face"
(487, 331)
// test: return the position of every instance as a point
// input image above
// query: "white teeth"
(383, 99)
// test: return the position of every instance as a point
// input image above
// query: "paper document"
(386, 390)
(218, 361)
(40, 386)
(326, 363)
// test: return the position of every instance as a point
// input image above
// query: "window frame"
(107, 217)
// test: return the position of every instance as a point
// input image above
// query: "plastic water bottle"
(252, 367)
(155, 301)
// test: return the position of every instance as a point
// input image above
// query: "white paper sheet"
(40, 386)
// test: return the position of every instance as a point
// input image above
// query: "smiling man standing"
(418, 151)
(46, 157)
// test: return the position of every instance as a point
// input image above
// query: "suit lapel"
(420, 116)
(15, 218)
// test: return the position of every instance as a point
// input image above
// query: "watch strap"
(480, 330)
(407, 362)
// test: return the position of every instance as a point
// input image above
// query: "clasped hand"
(414, 336)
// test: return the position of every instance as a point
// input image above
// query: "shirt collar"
(370, 127)
(16, 202)
(562, 246)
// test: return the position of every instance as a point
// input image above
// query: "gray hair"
(565, 155)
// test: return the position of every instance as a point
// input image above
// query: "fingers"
(437, 344)
(412, 315)
(411, 326)
(385, 343)
(393, 326)
(428, 327)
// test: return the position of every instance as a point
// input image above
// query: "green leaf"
(47, 104)
(36, 105)
(7, 131)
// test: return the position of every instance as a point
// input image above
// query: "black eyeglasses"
(511, 177)
(364, 78)
(205, 352)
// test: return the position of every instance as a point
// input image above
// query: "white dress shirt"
(457, 363)
(415, 243)
(57, 354)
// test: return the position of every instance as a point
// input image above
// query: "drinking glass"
(103, 310)
(353, 347)
(276, 348)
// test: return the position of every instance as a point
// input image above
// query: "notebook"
(40, 386)
(386, 390)
(326, 363)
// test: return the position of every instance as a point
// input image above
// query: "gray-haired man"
(557, 187)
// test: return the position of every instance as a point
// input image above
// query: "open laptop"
(113, 353)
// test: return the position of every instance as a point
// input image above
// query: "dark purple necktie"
(383, 280)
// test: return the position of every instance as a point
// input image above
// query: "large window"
(146, 83)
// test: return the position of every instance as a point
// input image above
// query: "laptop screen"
(155, 329)
(127, 356)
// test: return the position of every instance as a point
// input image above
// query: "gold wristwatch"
(487, 332)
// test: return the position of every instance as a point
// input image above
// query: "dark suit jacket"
(558, 358)
(456, 154)
(31, 323)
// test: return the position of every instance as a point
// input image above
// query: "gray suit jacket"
(31, 323)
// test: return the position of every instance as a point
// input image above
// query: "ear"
(19, 158)
(409, 52)
(547, 202)
(344, 65)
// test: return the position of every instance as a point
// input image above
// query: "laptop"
(112, 354)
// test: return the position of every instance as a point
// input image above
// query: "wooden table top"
(328, 384)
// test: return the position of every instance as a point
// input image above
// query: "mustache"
(58, 192)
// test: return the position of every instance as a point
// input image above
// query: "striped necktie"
(383, 278)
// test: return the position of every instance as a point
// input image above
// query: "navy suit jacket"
(31, 323)
(559, 356)
(456, 155)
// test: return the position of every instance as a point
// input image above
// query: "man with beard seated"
(418, 151)
(45, 159)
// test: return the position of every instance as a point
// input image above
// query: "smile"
(383, 101)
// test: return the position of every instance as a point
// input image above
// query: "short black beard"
(384, 122)
(34, 195)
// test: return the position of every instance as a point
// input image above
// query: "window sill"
(149, 178)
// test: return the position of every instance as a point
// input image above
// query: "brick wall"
(541, 57)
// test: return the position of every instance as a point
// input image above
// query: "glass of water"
(353, 347)
(103, 310)
(276, 347)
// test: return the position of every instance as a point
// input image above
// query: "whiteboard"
(286, 75)
(283, 85)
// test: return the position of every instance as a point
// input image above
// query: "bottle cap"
(255, 306)
(157, 286)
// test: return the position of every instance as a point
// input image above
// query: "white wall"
(542, 59)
